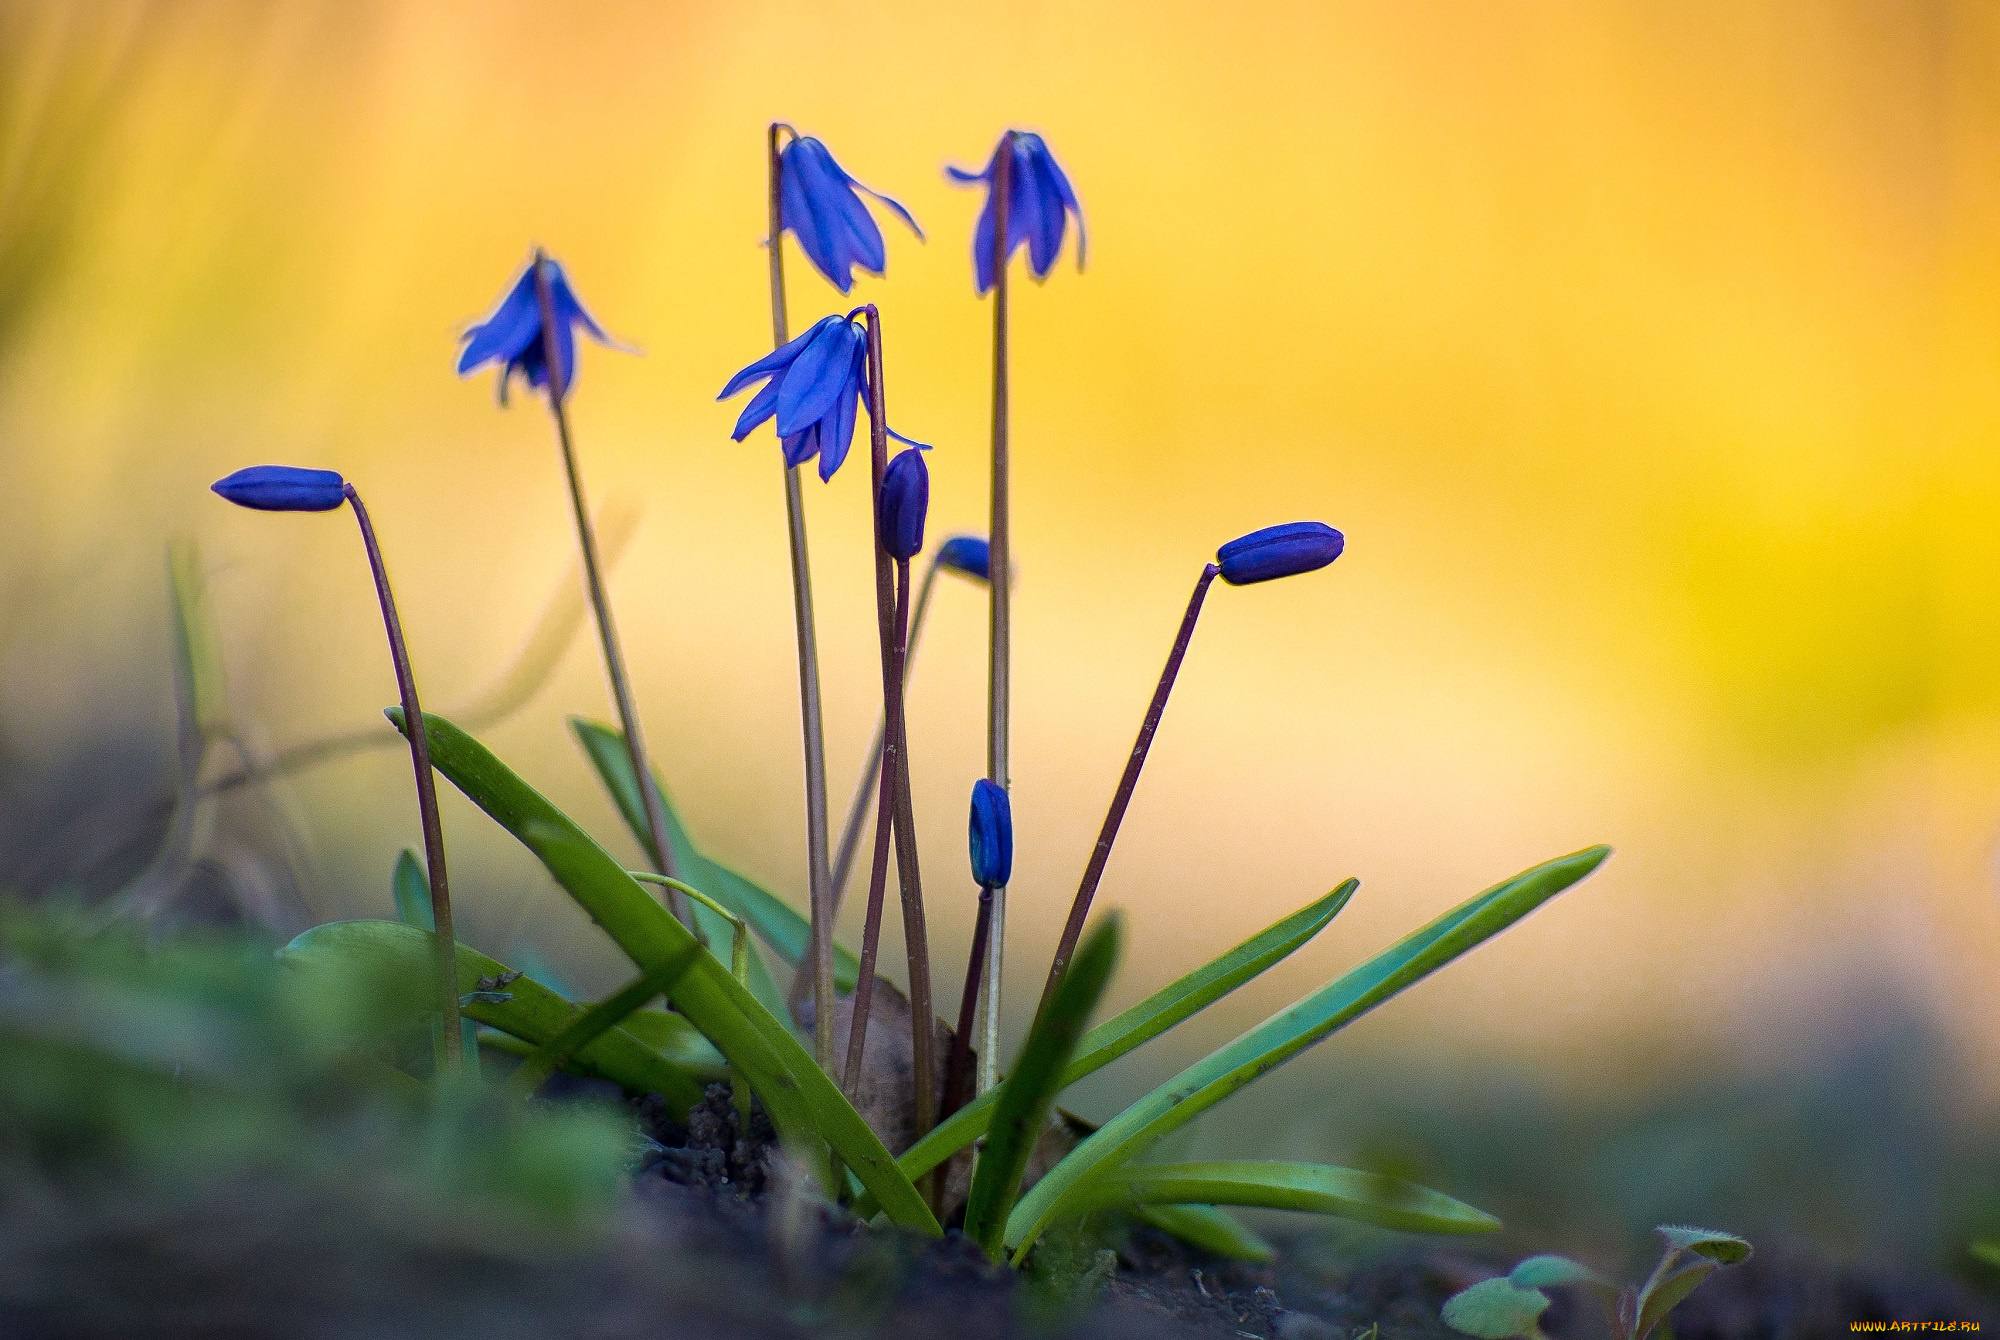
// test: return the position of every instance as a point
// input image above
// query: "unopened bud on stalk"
(1279, 551)
(992, 835)
(906, 496)
(283, 488)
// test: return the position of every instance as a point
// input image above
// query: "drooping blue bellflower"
(906, 497)
(967, 555)
(821, 206)
(1039, 203)
(815, 387)
(512, 336)
(283, 488)
(992, 835)
(1279, 551)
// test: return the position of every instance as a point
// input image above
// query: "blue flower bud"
(906, 496)
(1279, 551)
(992, 835)
(968, 555)
(283, 488)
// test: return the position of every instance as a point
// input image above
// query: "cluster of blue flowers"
(814, 387)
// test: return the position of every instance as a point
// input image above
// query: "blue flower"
(1279, 551)
(906, 497)
(820, 205)
(283, 488)
(992, 835)
(968, 555)
(512, 336)
(815, 388)
(1039, 203)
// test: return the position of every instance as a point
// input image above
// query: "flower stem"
(999, 680)
(968, 1004)
(451, 1038)
(893, 615)
(1094, 871)
(857, 808)
(614, 659)
(822, 900)
(871, 931)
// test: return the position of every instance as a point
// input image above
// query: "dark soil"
(1163, 1287)
(721, 1240)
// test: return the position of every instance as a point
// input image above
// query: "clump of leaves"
(1512, 1305)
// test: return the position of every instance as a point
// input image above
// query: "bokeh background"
(1648, 355)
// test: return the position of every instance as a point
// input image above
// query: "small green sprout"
(1512, 1305)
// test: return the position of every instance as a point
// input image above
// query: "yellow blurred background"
(1649, 357)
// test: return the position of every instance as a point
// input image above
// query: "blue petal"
(565, 357)
(796, 212)
(511, 327)
(813, 193)
(531, 363)
(1043, 247)
(1027, 211)
(816, 377)
(982, 248)
(802, 446)
(965, 177)
(837, 433)
(895, 206)
(775, 361)
(1070, 203)
(850, 186)
(861, 234)
(569, 309)
(856, 236)
(761, 407)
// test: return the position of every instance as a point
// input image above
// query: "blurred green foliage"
(201, 1056)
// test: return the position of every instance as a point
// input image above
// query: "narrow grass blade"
(808, 1109)
(592, 1024)
(1026, 1094)
(1284, 1035)
(1215, 1231)
(1142, 1023)
(1315, 1188)
(776, 922)
(393, 953)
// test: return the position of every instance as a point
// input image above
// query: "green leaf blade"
(807, 1107)
(1286, 1034)
(1314, 1188)
(1027, 1094)
(1145, 1021)
(1213, 1230)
